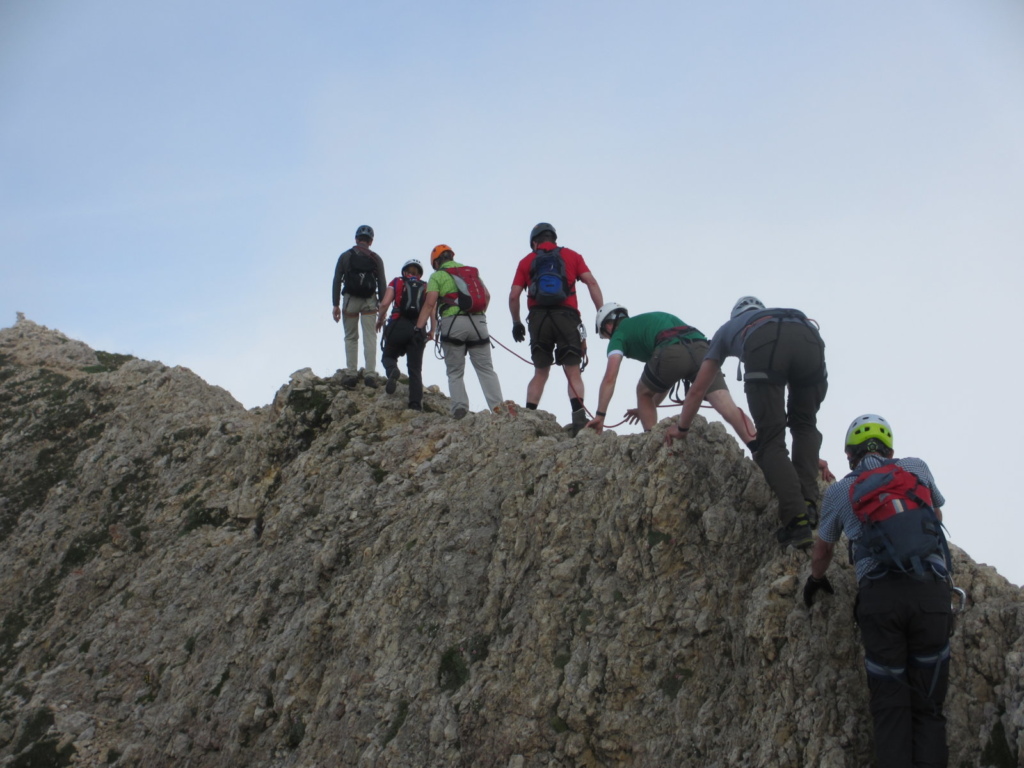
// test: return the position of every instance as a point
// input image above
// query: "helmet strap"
(857, 452)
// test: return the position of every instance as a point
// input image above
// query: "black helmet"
(539, 229)
(365, 230)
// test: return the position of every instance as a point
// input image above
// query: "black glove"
(519, 332)
(813, 585)
(419, 335)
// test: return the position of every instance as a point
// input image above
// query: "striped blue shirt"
(837, 515)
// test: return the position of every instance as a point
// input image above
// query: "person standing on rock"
(672, 351)
(779, 348)
(359, 276)
(903, 606)
(405, 296)
(455, 305)
(549, 274)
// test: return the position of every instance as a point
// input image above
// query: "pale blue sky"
(177, 181)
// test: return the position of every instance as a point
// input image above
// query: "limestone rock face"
(335, 580)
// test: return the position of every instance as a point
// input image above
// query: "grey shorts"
(675, 362)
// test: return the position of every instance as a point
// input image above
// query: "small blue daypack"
(549, 286)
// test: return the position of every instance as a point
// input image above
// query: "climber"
(361, 272)
(407, 294)
(779, 348)
(549, 274)
(455, 304)
(672, 352)
(903, 601)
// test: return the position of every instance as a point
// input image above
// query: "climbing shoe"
(579, 420)
(797, 533)
(392, 384)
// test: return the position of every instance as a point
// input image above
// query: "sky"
(177, 181)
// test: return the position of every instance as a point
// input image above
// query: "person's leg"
(883, 630)
(455, 362)
(542, 345)
(670, 364)
(802, 353)
(535, 388)
(768, 410)
(480, 356)
(368, 320)
(392, 348)
(928, 671)
(575, 382)
(414, 361)
(647, 405)
(802, 418)
(350, 322)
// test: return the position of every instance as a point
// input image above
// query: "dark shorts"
(676, 362)
(555, 336)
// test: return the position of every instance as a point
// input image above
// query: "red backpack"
(900, 529)
(470, 295)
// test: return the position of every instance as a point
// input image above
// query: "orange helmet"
(439, 251)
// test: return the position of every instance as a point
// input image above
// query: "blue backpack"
(549, 286)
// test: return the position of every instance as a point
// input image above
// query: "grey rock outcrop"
(334, 580)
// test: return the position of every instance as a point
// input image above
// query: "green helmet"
(870, 426)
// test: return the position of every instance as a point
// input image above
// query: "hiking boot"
(415, 407)
(459, 412)
(370, 380)
(579, 420)
(797, 533)
(349, 381)
(812, 515)
(392, 384)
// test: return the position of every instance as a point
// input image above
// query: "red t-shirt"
(574, 267)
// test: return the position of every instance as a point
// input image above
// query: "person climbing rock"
(904, 589)
(455, 305)
(672, 352)
(549, 274)
(779, 349)
(405, 296)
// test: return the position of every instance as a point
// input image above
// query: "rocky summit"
(336, 580)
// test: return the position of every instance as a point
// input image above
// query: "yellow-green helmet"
(870, 426)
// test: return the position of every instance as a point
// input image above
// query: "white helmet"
(745, 304)
(610, 311)
(413, 263)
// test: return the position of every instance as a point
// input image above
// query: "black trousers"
(905, 625)
(399, 340)
(777, 356)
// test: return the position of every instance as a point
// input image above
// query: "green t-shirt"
(636, 337)
(444, 283)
